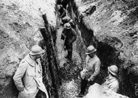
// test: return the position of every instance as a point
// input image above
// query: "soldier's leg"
(84, 83)
(69, 52)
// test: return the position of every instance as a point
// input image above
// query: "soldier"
(28, 77)
(111, 82)
(69, 35)
(61, 10)
(91, 69)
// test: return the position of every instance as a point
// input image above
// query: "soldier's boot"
(69, 56)
(84, 83)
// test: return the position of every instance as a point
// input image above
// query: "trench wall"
(20, 21)
(114, 27)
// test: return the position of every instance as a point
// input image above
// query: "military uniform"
(91, 70)
(69, 35)
(111, 84)
(28, 78)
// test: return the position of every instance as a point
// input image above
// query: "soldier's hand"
(82, 74)
(90, 79)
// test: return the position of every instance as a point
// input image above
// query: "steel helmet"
(35, 50)
(90, 49)
(113, 69)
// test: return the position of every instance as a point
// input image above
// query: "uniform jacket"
(28, 78)
(69, 35)
(92, 68)
(111, 84)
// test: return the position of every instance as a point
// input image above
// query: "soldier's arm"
(63, 34)
(19, 74)
(114, 86)
(97, 70)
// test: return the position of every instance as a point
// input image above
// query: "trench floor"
(70, 83)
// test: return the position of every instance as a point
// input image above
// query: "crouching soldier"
(90, 71)
(28, 77)
(111, 82)
(69, 35)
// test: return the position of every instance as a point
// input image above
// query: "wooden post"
(51, 56)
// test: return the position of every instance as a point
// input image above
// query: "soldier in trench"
(61, 10)
(111, 82)
(28, 77)
(69, 36)
(109, 88)
(90, 71)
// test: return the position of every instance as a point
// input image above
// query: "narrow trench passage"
(69, 87)
(69, 71)
(70, 81)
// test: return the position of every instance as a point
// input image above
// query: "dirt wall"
(20, 21)
(115, 23)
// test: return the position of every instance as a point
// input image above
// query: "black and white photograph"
(68, 48)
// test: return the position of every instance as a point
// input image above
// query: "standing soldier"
(91, 70)
(69, 35)
(28, 77)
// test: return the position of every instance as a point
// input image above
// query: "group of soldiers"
(68, 33)
(28, 77)
(91, 70)
(92, 66)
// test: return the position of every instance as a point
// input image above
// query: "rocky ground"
(69, 89)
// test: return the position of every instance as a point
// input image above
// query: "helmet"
(35, 50)
(59, 6)
(90, 49)
(113, 69)
(67, 25)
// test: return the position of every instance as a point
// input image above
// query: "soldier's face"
(91, 55)
(38, 56)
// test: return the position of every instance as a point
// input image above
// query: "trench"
(108, 56)
(104, 51)
(63, 81)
